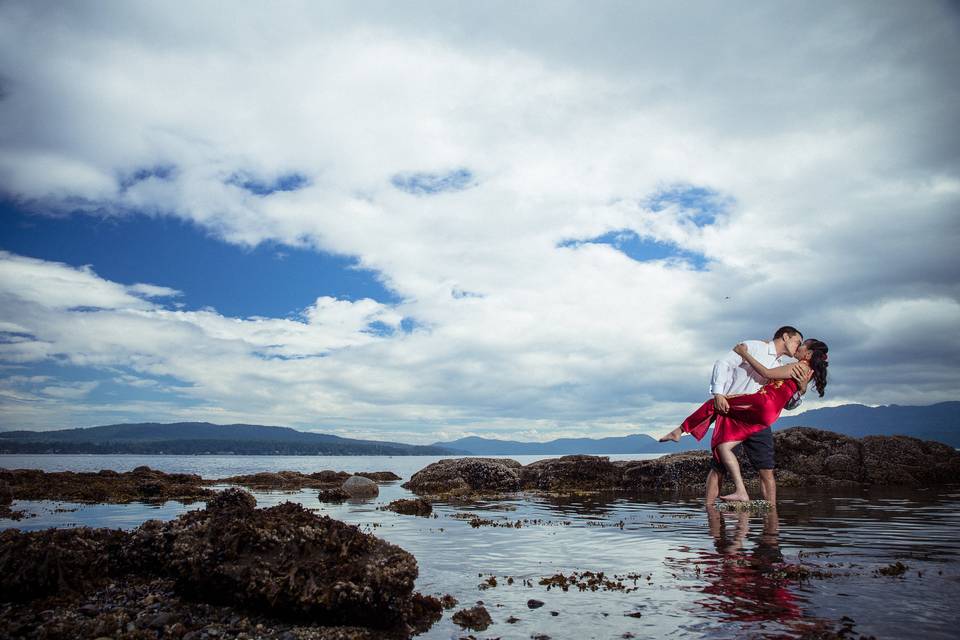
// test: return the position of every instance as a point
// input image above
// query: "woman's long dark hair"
(818, 362)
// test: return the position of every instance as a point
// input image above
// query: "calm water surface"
(687, 572)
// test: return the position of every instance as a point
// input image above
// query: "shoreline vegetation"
(238, 571)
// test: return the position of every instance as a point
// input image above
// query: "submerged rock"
(415, 507)
(360, 487)
(459, 476)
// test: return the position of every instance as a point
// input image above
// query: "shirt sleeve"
(723, 372)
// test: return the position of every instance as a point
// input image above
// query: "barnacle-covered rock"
(41, 563)
(571, 473)
(414, 507)
(476, 618)
(285, 560)
(458, 476)
(143, 483)
(291, 480)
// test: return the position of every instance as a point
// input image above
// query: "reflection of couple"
(751, 386)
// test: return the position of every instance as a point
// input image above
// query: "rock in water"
(360, 487)
(571, 473)
(284, 560)
(461, 476)
(476, 618)
(415, 507)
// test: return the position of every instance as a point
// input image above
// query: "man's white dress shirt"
(732, 374)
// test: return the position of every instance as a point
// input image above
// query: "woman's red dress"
(748, 414)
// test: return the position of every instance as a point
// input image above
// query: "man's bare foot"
(736, 497)
(673, 436)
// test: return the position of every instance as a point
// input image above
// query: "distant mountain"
(939, 422)
(637, 443)
(200, 438)
(933, 422)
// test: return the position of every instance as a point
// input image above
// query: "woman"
(750, 413)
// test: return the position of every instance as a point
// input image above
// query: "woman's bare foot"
(736, 497)
(673, 436)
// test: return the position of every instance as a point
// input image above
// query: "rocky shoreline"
(284, 562)
(806, 457)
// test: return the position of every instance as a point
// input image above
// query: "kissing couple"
(751, 386)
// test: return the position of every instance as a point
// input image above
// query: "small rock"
(554, 613)
(513, 620)
(360, 487)
(634, 614)
(477, 618)
(534, 604)
(448, 601)
(333, 495)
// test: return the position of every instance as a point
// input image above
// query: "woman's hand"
(741, 349)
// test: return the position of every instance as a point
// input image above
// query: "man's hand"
(720, 403)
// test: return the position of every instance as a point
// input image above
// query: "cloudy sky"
(417, 221)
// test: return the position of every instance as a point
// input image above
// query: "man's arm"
(723, 373)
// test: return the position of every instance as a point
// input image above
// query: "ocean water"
(672, 569)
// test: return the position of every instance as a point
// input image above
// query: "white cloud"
(830, 132)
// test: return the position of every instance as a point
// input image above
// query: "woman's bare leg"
(729, 460)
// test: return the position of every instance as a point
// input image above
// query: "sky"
(426, 220)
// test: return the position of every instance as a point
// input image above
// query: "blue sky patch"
(702, 205)
(423, 184)
(270, 280)
(640, 249)
(256, 186)
(159, 172)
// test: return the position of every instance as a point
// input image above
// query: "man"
(731, 375)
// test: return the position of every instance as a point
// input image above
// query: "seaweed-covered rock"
(6, 493)
(42, 563)
(143, 483)
(821, 458)
(571, 473)
(672, 472)
(415, 507)
(292, 480)
(908, 461)
(284, 559)
(360, 487)
(333, 495)
(458, 476)
(476, 618)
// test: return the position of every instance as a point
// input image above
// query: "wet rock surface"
(293, 480)
(141, 484)
(415, 507)
(805, 457)
(460, 476)
(360, 487)
(284, 561)
(476, 618)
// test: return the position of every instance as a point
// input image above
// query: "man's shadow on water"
(746, 584)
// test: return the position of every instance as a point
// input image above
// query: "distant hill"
(939, 422)
(201, 438)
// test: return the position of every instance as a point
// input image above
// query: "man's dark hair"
(785, 331)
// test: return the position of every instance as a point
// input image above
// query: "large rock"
(903, 460)
(52, 561)
(569, 473)
(143, 483)
(459, 476)
(360, 487)
(805, 457)
(285, 559)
